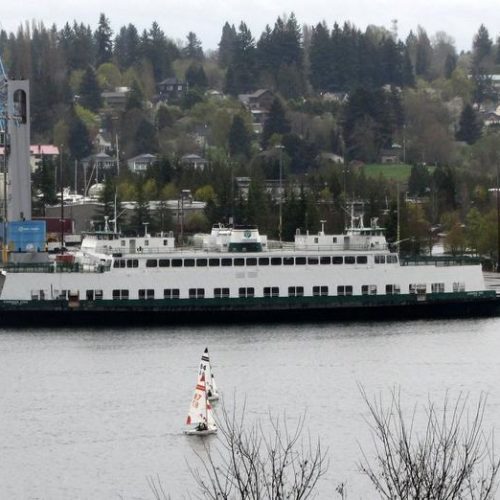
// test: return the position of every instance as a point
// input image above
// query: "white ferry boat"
(236, 274)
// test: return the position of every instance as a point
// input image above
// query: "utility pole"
(280, 190)
(62, 196)
(498, 221)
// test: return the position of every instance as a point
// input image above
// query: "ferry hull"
(282, 309)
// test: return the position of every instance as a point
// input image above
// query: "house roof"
(172, 81)
(144, 156)
(40, 149)
(44, 149)
(192, 157)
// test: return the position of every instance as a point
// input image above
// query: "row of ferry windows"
(293, 291)
(254, 261)
(244, 292)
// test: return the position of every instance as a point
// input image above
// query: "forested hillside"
(342, 99)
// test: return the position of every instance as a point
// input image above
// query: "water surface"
(90, 414)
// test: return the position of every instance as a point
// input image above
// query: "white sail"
(200, 410)
(206, 367)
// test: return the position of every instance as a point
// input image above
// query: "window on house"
(196, 293)
(295, 291)
(120, 294)
(344, 290)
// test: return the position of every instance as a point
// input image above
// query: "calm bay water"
(90, 414)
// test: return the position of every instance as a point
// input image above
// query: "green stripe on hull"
(249, 304)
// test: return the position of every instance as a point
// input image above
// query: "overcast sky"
(458, 18)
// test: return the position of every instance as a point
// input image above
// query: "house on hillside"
(194, 161)
(141, 163)
(171, 89)
(392, 154)
(258, 104)
(261, 99)
(103, 142)
(117, 99)
(40, 151)
(96, 165)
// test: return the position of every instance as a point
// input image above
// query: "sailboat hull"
(194, 432)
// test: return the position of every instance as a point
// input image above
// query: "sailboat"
(200, 411)
(206, 367)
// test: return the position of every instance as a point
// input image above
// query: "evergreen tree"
(127, 46)
(90, 93)
(79, 141)
(320, 64)
(196, 77)
(145, 138)
(156, 48)
(419, 180)
(239, 138)
(423, 54)
(103, 41)
(193, 49)
(279, 50)
(469, 126)
(141, 213)
(241, 73)
(408, 75)
(450, 64)
(226, 45)
(481, 46)
(135, 97)
(44, 179)
(107, 197)
(276, 122)
(82, 47)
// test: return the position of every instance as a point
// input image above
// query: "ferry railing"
(54, 267)
(271, 247)
(439, 260)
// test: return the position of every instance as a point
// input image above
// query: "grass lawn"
(398, 172)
